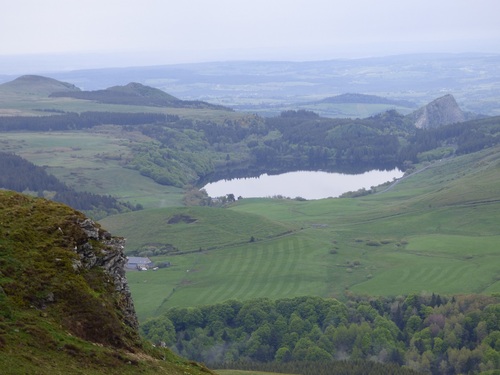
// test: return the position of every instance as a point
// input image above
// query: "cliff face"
(112, 260)
(439, 112)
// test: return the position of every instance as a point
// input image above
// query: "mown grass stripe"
(242, 274)
(209, 291)
(229, 273)
(247, 288)
(279, 261)
(235, 267)
(288, 266)
(295, 277)
(270, 271)
(452, 276)
(435, 273)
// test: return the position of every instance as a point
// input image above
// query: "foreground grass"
(436, 231)
(32, 344)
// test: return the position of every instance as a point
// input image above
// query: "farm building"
(138, 263)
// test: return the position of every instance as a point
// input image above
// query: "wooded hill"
(429, 334)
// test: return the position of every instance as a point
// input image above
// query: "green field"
(93, 162)
(433, 232)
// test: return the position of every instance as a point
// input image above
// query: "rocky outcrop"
(439, 112)
(112, 259)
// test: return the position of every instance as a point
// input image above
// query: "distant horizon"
(40, 64)
(59, 35)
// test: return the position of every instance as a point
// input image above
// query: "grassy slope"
(211, 227)
(436, 231)
(42, 336)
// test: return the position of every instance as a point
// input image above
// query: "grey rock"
(112, 259)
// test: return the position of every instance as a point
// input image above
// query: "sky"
(69, 34)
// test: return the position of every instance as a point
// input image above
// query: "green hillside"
(60, 310)
(32, 85)
(189, 229)
(434, 231)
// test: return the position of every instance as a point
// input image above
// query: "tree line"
(78, 121)
(426, 333)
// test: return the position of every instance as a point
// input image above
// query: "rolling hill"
(34, 85)
(135, 94)
(31, 88)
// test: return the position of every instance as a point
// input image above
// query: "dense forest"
(20, 175)
(426, 333)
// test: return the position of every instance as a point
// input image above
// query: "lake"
(305, 184)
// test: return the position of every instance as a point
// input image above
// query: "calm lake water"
(305, 184)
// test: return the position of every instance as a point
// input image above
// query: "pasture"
(193, 228)
(93, 162)
(434, 232)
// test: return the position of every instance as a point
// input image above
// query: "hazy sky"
(130, 32)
